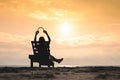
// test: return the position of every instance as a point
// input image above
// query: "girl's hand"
(36, 32)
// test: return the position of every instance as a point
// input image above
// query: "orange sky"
(93, 38)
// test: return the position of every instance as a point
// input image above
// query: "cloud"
(91, 40)
(52, 10)
(88, 49)
(14, 49)
(43, 16)
(13, 42)
(7, 37)
(39, 9)
(61, 10)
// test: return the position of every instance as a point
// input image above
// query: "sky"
(83, 32)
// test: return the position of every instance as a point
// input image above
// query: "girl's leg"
(52, 58)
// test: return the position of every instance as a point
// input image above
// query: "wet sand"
(60, 73)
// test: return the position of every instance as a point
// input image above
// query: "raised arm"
(49, 40)
(35, 38)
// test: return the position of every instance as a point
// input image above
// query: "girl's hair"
(41, 40)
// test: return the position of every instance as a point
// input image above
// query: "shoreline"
(62, 66)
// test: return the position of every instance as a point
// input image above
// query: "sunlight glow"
(65, 28)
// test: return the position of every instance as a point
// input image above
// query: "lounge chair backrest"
(34, 46)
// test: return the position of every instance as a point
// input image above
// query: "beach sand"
(60, 73)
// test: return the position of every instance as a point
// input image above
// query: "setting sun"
(65, 28)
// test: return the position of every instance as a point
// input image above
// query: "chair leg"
(31, 63)
(53, 65)
(39, 65)
(48, 66)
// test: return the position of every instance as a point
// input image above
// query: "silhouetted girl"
(44, 46)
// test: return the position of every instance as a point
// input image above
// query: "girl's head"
(41, 40)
